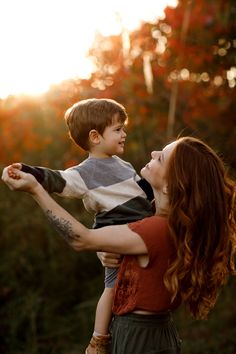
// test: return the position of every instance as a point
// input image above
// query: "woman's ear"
(94, 137)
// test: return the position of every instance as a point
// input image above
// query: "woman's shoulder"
(155, 233)
(154, 222)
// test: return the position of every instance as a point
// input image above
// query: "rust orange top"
(142, 288)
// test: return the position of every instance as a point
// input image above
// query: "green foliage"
(48, 292)
(215, 335)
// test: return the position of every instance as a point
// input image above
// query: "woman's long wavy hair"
(202, 224)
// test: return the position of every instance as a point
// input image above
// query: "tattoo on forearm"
(63, 227)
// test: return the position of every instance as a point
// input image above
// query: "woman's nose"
(153, 154)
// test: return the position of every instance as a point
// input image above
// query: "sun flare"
(45, 41)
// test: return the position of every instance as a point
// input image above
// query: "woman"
(182, 254)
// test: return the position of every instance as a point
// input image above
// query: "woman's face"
(154, 172)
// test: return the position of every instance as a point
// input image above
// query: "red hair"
(202, 225)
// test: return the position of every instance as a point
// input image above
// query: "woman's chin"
(142, 172)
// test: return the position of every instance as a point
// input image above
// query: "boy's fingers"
(109, 259)
(111, 255)
(13, 172)
(17, 165)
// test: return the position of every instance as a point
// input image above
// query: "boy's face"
(112, 141)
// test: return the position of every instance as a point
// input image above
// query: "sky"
(44, 42)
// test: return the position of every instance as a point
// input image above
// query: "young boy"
(109, 187)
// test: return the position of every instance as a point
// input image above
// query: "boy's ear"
(94, 136)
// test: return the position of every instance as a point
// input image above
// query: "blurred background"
(172, 64)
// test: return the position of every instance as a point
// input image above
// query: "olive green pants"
(144, 334)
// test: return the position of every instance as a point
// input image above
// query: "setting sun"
(45, 41)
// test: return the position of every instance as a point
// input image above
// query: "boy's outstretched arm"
(51, 180)
(66, 183)
(123, 239)
(18, 180)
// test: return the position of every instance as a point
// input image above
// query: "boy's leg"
(100, 342)
(104, 312)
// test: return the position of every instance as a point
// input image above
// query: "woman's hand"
(111, 260)
(18, 180)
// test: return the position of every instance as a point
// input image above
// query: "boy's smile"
(111, 142)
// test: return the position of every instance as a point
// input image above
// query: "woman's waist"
(145, 317)
(142, 312)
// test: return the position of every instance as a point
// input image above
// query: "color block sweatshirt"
(110, 188)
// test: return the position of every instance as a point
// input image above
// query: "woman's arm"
(114, 239)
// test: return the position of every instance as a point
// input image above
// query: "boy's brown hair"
(93, 113)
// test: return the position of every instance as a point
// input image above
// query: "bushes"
(215, 335)
(48, 292)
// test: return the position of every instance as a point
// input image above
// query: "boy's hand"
(10, 170)
(18, 180)
(111, 260)
(17, 165)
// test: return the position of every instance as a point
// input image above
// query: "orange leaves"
(23, 130)
(199, 57)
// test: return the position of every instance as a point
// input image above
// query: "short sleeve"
(154, 232)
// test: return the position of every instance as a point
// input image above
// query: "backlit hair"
(93, 113)
(202, 224)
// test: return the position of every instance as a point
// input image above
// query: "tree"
(192, 58)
